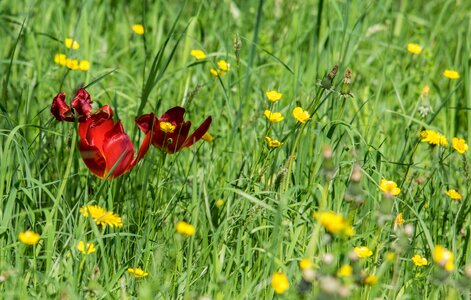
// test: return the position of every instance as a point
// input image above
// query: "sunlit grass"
(336, 164)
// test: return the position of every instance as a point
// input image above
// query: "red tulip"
(105, 147)
(81, 107)
(170, 132)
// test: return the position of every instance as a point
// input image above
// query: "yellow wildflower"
(167, 127)
(334, 223)
(84, 65)
(138, 272)
(29, 237)
(86, 249)
(399, 219)
(279, 282)
(70, 43)
(185, 228)
(389, 187)
(273, 116)
(345, 271)
(72, 64)
(419, 261)
(101, 216)
(390, 256)
(223, 65)
(272, 143)
(60, 59)
(198, 54)
(207, 137)
(305, 263)
(425, 90)
(444, 258)
(300, 114)
(454, 195)
(414, 48)
(370, 279)
(138, 29)
(216, 72)
(433, 138)
(363, 251)
(273, 95)
(459, 145)
(219, 202)
(223, 68)
(451, 74)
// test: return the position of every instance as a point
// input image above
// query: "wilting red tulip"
(170, 133)
(81, 107)
(105, 147)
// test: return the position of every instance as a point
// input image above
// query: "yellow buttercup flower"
(60, 59)
(451, 74)
(459, 145)
(444, 258)
(167, 127)
(216, 72)
(101, 216)
(370, 279)
(29, 237)
(185, 228)
(399, 219)
(390, 256)
(334, 223)
(84, 65)
(425, 90)
(207, 137)
(300, 114)
(86, 248)
(223, 68)
(433, 138)
(273, 116)
(363, 251)
(223, 65)
(345, 271)
(273, 95)
(273, 143)
(219, 203)
(72, 63)
(71, 44)
(414, 48)
(419, 261)
(279, 282)
(138, 272)
(389, 187)
(198, 54)
(305, 263)
(138, 29)
(454, 195)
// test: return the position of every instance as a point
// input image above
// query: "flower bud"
(328, 79)
(347, 80)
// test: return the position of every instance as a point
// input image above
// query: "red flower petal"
(198, 134)
(170, 142)
(82, 104)
(92, 158)
(95, 128)
(118, 150)
(173, 115)
(60, 110)
(146, 122)
(142, 150)
(180, 136)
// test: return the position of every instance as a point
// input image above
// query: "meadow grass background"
(266, 223)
